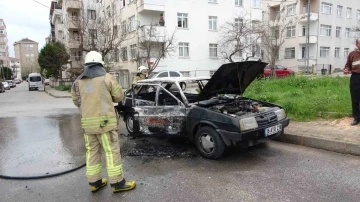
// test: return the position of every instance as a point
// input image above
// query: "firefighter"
(94, 93)
(141, 74)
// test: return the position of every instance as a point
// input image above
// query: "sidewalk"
(56, 93)
(334, 135)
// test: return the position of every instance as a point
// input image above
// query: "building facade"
(332, 33)
(27, 52)
(15, 67)
(4, 48)
(197, 31)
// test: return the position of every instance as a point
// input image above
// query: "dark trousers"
(355, 95)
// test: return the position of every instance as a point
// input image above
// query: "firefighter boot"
(123, 186)
(95, 186)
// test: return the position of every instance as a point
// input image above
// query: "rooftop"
(26, 40)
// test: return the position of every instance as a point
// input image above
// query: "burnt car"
(213, 117)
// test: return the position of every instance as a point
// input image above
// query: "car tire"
(183, 85)
(29, 89)
(129, 120)
(205, 138)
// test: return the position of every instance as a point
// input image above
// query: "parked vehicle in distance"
(280, 71)
(11, 83)
(2, 88)
(35, 81)
(213, 119)
(6, 85)
(162, 74)
(17, 81)
(47, 81)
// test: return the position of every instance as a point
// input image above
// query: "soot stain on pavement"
(159, 147)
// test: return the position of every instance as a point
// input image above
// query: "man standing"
(353, 66)
(141, 75)
(94, 93)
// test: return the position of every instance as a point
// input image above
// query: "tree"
(237, 37)
(52, 58)
(153, 45)
(96, 28)
(6, 73)
(274, 30)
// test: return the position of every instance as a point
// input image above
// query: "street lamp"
(1, 65)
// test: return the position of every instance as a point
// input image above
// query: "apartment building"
(15, 67)
(331, 33)
(4, 48)
(27, 52)
(196, 22)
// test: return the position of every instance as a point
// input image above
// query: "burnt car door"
(167, 117)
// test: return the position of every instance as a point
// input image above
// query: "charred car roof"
(232, 78)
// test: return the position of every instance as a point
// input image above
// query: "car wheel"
(183, 85)
(29, 89)
(129, 122)
(209, 143)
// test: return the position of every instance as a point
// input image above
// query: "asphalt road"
(165, 170)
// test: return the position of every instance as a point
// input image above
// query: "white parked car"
(162, 74)
(6, 85)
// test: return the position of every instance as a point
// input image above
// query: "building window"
(116, 55)
(289, 53)
(256, 3)
(108, 10)
(346, 52)
(291, 9)
(348, 12)
(132, 26)
(93, 33)
(238, 3)
(124, 54)
(115, 30)
(324, 52)
(185, 74)
(183, 49)
(358, 14)
(213, 23)
(339, 11)
(347, 33)
(304, 30)
(92, 14)
(238, 24)
(133, 51)
(123, 27)
(212, 1)
(2, 31)
(326, 8)
(338, 32)
(182, 20)
(337, 52)
(325, 30)
(213, 50)
(290, 31)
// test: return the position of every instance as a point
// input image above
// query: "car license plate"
(273, 130)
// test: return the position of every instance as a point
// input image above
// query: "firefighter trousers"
(109, 141)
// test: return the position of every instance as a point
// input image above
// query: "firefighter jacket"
(95, 97)
(139, 77)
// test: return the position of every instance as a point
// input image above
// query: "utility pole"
(307, 49)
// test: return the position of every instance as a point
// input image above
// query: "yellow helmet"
(94, 57)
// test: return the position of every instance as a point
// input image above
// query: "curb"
(342, 147)
(55, 96)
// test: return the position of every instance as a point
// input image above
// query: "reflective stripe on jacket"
(95, 98)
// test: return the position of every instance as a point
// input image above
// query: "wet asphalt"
(40, 135)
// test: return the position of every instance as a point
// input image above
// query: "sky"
(25, 19)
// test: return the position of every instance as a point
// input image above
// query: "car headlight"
(280, 114)
(248, 123)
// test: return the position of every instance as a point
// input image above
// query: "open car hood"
(232, 78)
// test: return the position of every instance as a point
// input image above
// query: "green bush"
(63, 88)
(305, 98)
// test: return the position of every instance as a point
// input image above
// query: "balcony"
(74, 42)
(313, 17)
(151, 5)
(57, 12)
(312, 39)
(73, 4)
(73, 22)
(153, 33)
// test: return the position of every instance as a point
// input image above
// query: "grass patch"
(304, 98)
(63, 88)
